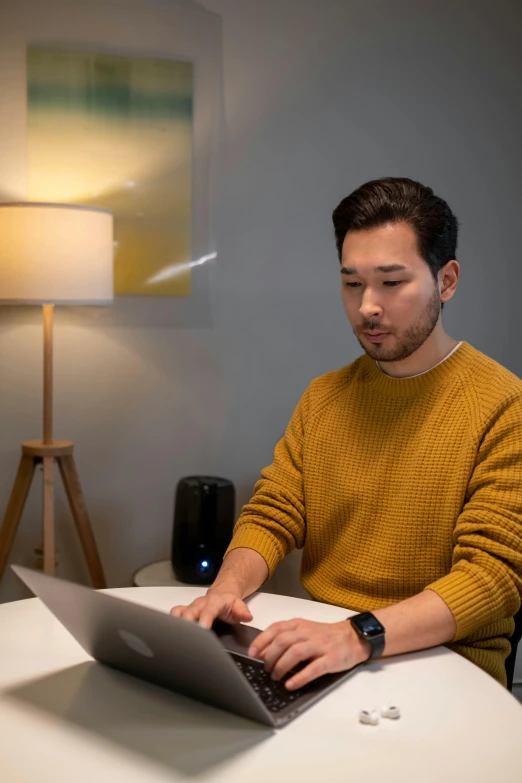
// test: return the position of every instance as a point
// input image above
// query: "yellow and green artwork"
(116, 132)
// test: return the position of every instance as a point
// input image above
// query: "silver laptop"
(209, 665)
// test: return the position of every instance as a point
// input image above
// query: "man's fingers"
(314, 669)
(296, 653)
(234, 611)
(261, 642)
(207, 617)
(192, 613)
(266, 637)
(280, 645)
(207, 608)
(186, 612)
(241, 611)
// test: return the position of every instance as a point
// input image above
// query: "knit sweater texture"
(392, 485)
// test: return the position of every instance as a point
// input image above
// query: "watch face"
(369, 625)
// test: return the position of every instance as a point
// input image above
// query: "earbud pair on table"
(371, 717)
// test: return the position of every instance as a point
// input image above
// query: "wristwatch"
(369, 628)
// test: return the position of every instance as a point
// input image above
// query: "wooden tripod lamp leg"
(48, 461)
(48, 323)
(48, 515)
(15, 508)
(83, 525)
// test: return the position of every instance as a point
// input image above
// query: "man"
(399, 475)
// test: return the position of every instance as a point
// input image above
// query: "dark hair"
(401, 200)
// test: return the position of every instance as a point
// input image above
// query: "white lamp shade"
(55, 254)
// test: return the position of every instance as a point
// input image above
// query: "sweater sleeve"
(485, 581)
(273, 522)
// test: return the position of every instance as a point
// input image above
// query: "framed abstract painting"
(115, 131)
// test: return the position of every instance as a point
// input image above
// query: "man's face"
(388, 288)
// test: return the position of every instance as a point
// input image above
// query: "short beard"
(412, 339)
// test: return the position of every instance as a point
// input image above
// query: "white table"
(66, 719)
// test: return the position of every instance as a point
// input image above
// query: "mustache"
(371, 326)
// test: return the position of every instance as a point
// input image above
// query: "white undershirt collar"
(431, 368)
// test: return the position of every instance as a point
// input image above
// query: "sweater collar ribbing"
(415, 385)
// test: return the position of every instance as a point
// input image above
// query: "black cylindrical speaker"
(204, 512)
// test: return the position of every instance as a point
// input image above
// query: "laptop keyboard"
(272, 693)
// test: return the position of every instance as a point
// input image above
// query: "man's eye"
(390, 283)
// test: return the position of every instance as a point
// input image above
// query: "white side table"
(158, 574)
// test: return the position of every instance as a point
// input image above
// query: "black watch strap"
(368, 627)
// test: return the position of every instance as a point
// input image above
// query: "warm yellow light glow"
(55, 254)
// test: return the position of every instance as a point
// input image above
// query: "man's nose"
(370, 308)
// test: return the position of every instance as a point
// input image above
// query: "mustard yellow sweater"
(391, 486)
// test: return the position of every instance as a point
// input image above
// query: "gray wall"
(321, 95)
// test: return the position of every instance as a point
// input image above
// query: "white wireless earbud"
(391, 711)
(369, 717)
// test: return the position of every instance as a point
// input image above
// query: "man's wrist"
(357, 644)
(225, 586)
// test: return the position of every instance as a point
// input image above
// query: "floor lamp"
(53, 254)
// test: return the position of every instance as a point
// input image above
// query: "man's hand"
(215, 606)
(242, 573)
(330, 647)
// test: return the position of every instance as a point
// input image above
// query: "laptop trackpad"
(235, 638)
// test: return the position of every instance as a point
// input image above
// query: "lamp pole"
(48, 317)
